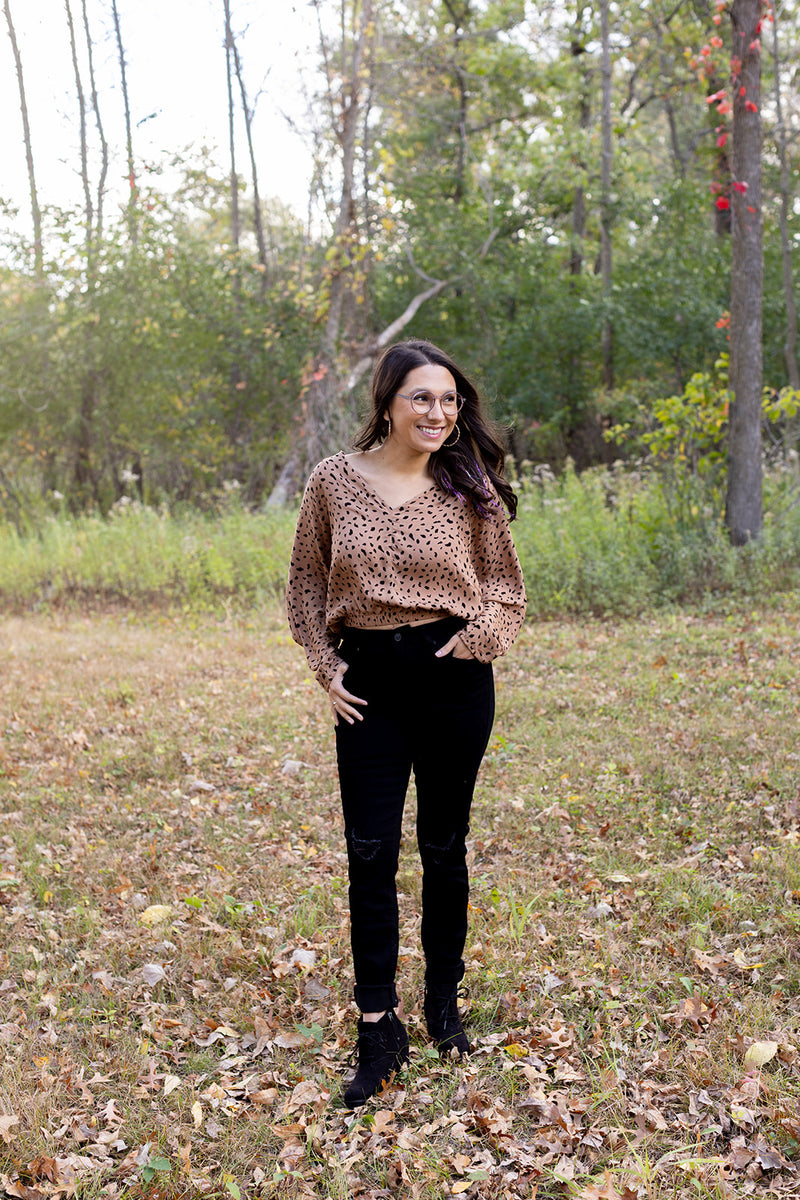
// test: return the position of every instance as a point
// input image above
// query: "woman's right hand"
(343, 702)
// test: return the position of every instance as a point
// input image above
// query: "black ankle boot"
(382, 1049)
(443, 1021)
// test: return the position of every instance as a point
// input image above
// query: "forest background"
(553, 193)
(547, 191)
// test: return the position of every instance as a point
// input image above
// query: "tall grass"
(144, 555)
(620, 542)
(605, 542)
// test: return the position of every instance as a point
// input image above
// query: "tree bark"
(792, 432)
(88, 203)
(258, 223)
(101, 183)
(458, 18)
(578, 232)
(234, 178)
(236, 373)
(133, 194)
(743, 506)
(83, 471)
(36, 214)
(606, 268)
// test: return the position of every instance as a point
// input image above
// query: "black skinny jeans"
(432, 715)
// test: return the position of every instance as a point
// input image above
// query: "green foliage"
(683, 439)
(145, 555)
(171, 364)
(603, 542)
(176, 364)
(612, 542)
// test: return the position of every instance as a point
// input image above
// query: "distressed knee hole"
(371, 849)
(436, 855)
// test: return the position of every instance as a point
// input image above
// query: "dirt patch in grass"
(175, 1012)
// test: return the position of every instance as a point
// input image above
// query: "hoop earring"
(449, 445)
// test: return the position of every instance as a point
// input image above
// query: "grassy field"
(175, 983)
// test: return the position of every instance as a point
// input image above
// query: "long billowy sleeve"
(502, 588)
(307, 588)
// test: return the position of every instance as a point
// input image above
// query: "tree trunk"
(133, 194)
(743, 507)
(605, 201)
(83, 469)
(88, 204)
(577, 50)
(38, 251)
(792, 432)
(101, 183)
(458, 18)
(679, 157)
(258, 222)
(327, 415)
(229, 70)
(236, 374)
(328, 412)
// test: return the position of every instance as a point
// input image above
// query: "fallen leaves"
(759, 1054)
(7, 1121)
(155, 914)
(175, 975)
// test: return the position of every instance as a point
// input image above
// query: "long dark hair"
(477, 458)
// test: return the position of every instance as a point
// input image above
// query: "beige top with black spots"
(357, 561)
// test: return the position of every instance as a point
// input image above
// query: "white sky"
(176, 72)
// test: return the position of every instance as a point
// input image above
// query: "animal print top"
(356, 561)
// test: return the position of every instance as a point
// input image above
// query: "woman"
(404, 585)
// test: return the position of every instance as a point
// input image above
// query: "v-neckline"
(371, 488)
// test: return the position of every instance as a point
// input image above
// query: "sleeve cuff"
(324, 674)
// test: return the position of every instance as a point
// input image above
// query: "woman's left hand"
(455, 647)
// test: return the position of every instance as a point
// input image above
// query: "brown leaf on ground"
(7, 1121)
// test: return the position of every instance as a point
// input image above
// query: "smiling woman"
(404, 579)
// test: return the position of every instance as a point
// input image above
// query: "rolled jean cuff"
(376, 999)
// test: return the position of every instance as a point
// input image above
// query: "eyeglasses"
(423, 401)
